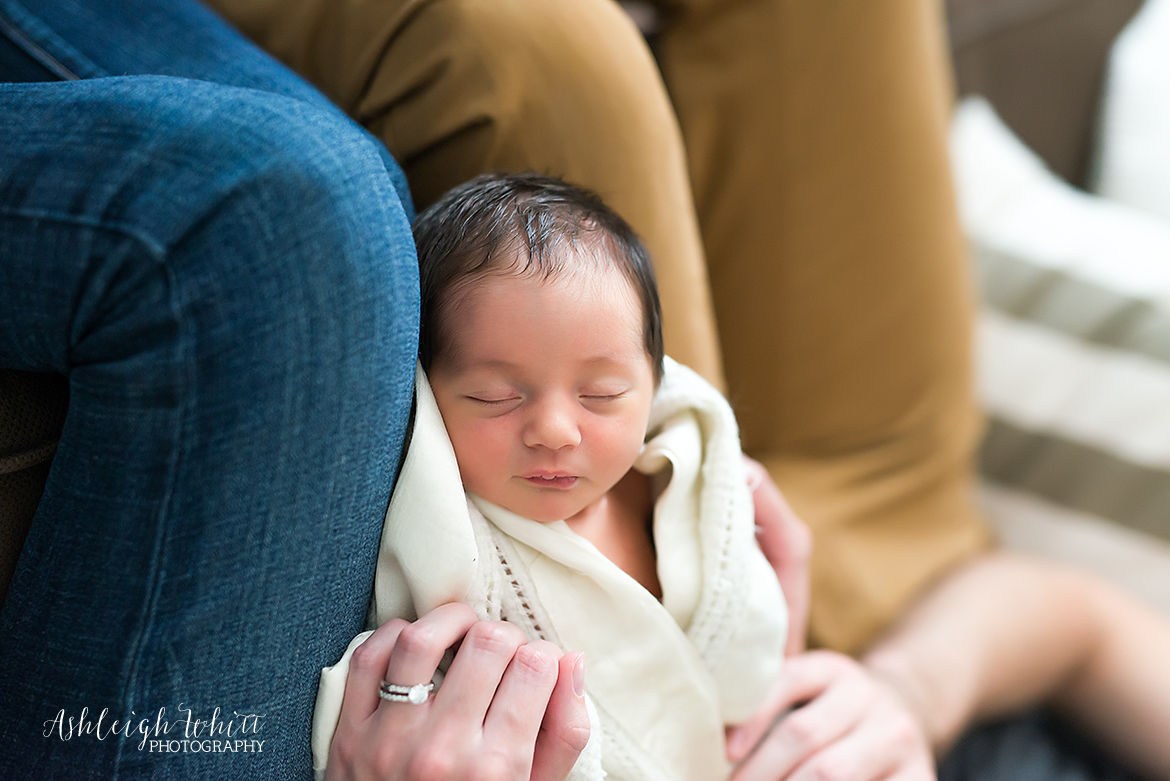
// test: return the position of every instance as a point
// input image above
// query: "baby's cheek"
(495, 435)
(621, 443)
(482, 447)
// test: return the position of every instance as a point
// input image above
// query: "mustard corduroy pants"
(785, 163)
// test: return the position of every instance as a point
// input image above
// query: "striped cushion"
(1074, 334)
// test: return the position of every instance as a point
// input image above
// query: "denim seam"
(157, 249)
(145, 629)
(52, 44)
(35, 51)
(186, 366)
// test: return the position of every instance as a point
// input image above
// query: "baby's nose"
(553, 426)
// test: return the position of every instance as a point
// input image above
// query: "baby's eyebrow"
(485, 364)
(461, 362)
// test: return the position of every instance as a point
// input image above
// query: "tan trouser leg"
(816, 132)
(459, 87)
(816, 136)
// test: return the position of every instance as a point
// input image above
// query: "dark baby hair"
(512, 224)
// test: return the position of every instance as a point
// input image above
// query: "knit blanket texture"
(663, 678)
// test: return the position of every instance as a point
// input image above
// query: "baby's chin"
(546, 515)
(545, 509)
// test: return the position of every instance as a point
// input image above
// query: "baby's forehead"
(499, 313)
(585, 265)
(577, 253)
(599, 286)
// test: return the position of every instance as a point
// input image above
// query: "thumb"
(565, 729)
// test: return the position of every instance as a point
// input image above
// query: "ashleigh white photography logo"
(179, 732)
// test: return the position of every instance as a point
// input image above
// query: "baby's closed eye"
(603, 396)
(492, 399)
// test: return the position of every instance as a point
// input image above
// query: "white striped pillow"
(1074, 332)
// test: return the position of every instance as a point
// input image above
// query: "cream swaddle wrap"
(662, 677)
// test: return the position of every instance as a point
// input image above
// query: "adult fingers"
(887, 743)
(838, 699)
(519, 706)
(803, 678)
(795, 574)
(565, 728)
(800, 734)
(367, 666)
(787, 544)
(421, 645)
(471, 682)
(920, 772)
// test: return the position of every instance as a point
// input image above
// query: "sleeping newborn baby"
(565, 476)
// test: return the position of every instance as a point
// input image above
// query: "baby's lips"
(551, 480)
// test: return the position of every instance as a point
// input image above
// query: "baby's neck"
(618, 525)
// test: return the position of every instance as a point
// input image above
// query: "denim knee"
(228, 279)
(287, 253)
(243, 167)
(208, 264)
(247, 195)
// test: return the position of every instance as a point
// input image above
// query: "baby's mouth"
(552, 481)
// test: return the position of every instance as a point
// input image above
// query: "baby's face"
(545, 389)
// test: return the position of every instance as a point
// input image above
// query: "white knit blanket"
(662, 678)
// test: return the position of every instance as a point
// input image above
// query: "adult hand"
(844, 724)
(507, 709)
(787, 544)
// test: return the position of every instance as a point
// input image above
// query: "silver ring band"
(415, 695)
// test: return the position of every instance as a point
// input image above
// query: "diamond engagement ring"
(415, 695)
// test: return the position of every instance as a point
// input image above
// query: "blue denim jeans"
(221, 265)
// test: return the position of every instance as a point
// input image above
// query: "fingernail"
(579, 676)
